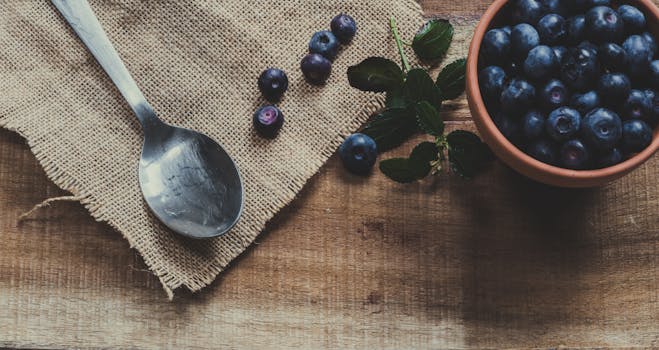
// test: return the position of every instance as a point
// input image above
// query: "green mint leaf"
(433, 39)
(422, 155)
(451, 80)
(391, 127)
(419, 86)
(468, 155)
(400, 170)
(429, 119)
(375, 74)
(395, 99)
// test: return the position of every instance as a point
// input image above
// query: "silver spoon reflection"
(190, 183)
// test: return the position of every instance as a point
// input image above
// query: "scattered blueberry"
(632, 17)
(324, 43)
(523, 38)
(575, 155)
(576, 29)
(527, 11)
(560, 52)
(273, 83)
(563, 124)
(552, 29)
(491, 81)
(517, 96)
(601, 129)
(541, 63)
(638, 53)
(613, 88)
(344, 28)
(580, 69)
(603, 25)
(316, 68)
(543, 150)
(636, 135)
(609, 158)
(533, 125)
(495, 48)
(554, 94)
(612, 57)
(585, 102)
(358, 153)
(267, 121)
(637, 106)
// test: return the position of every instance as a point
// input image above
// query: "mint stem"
(399, 44)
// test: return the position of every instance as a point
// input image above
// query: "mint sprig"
(413, 105)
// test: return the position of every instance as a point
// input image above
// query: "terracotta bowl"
(517, 159)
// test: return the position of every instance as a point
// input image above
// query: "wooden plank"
(353, 263)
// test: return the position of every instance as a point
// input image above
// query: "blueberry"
(358, 153)
(541, 63)
(560, 52)
(508, 127)
(638, 54)
(612, 57)
(542, 150)
(632, 17)
(609, 158)
(316, 68)
(556, 6)
(495, 48)
(636, 135)
(613, 88)
(637, 106)
(553, 95)
(576, 29)
(654, 97)
(580, 69)
(517, 97)
(523, 38)
(344, 28)
(601, 129)
(273, 83)
(552, 29)
(575, 155)
(654, 74)
(527, 11)
(603, 25)
(563, 123)
(491, 81)
(589, 46)
(324, 43)
(533, 125)
(651, 42)
(267, 121)
(585, 102)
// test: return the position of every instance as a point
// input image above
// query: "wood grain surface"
(353, 263)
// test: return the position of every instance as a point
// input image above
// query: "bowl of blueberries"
(566, 92)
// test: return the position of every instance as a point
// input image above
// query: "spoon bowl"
(190, 183)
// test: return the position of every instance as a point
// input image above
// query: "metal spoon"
(187, 179)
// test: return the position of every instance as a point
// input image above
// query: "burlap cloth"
(197, 63)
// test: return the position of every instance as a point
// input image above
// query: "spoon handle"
(80, 16)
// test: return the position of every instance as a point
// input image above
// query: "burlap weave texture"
(197, 63)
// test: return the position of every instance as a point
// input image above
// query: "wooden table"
(353, 263)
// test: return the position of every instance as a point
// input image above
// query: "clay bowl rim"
(519, 160)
